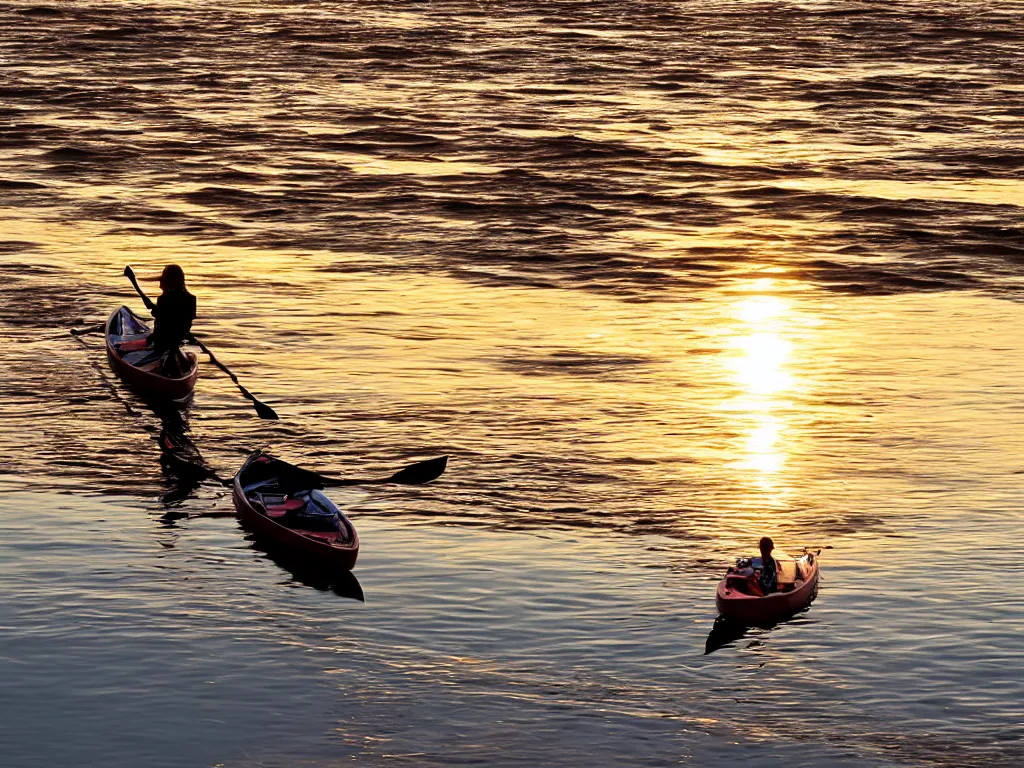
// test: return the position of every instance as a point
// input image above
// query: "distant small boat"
(798, 586)
(283, 503)
(132, 360)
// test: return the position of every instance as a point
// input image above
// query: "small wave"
(21, 92)
(15, 184)
(389, 51)
(393, 137)
(16, 246)
(575, 147)
(72, 154)
(119, 33)
(223, 196)
(575, 363)
(233, 174)
(41, 10)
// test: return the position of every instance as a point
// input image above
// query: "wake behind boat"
(137, 365)
(283, 502)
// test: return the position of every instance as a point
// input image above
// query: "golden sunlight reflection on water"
(758, 363)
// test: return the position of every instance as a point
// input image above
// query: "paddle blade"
(128, 272)
(421, 472)
(264, 411)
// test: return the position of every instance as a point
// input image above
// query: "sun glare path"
(758, 363)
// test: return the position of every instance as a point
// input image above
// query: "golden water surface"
(658, 279)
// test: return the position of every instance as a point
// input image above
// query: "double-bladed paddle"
(262, 409)
(415, 474)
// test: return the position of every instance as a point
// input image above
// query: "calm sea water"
(659, 278)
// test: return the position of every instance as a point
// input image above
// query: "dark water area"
(659, 278)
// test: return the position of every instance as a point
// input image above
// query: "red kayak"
(283, 503)
(133, 361)
(798, 586)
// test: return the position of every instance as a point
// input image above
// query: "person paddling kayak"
(174, 311)
(768, 577)
(756, 577)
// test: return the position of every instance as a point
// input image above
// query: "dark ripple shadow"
(576, 363)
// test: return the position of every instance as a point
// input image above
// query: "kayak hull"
(754, 610)
(315, 548)
(124, 327)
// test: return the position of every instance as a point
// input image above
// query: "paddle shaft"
(220, 365)
(130, 274)
(91, 329)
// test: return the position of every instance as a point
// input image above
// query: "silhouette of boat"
(136, 365)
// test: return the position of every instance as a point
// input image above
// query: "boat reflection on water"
(726, 631)
(182, 464)
(309, 572)
(180, 459)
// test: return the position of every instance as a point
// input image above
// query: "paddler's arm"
(153, 310)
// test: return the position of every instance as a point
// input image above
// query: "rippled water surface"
(660, 278)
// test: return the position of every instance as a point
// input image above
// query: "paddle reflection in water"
(103, 378)
(181, 458)
(180, 491)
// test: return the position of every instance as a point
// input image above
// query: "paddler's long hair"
(172, 279)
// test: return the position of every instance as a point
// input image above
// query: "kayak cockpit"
(281, 493)
(791, 573)
(739, 594)
(128, 337)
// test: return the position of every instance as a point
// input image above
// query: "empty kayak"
(798, 586)
(283, 503)
(135, 362)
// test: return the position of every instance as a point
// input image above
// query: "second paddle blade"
(422, 472)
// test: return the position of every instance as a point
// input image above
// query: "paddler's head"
(172, 279)
(766, 545)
